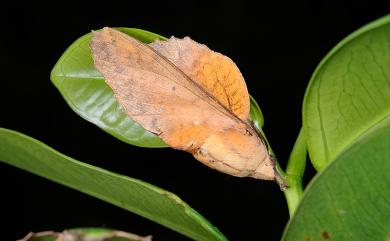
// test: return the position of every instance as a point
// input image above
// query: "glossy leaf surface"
(350, 198)
(131, 194)
(349, 92)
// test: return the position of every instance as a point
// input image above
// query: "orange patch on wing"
(215, 72)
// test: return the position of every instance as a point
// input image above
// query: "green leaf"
(86, 234)
(131, 194)
(255, 113)
(44, 238)
(105, 234)
(85, 91)
(349, 92)
(350, 198)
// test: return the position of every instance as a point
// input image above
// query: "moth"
(193, 98)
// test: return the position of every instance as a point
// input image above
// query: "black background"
(276, 45)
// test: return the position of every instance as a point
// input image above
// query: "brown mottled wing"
(155, 93)
(215, 72)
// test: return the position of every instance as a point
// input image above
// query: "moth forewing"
(195, 99)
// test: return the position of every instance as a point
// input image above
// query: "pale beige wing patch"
(213, 71)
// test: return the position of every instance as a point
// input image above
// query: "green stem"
(294, 173)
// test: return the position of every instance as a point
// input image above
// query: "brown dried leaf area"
(193, 98)
(84, 235)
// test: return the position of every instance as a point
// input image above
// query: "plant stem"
(294, 173)
(290, 182)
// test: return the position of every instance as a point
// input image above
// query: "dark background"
(276, 45)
